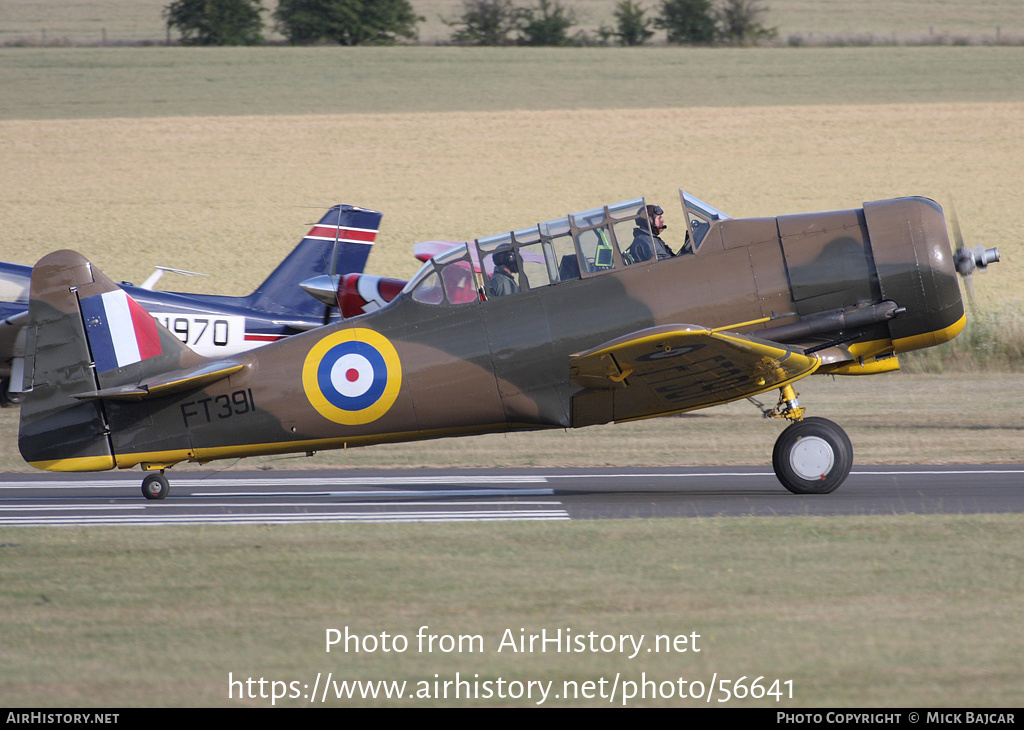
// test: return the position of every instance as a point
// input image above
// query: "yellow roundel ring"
(352, 376)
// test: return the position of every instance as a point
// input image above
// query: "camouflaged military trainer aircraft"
(584, 332)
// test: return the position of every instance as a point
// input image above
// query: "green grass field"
(854, 612)
(81, 83)
(217, 160)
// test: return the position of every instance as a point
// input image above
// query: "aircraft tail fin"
(84, 334)
(339, 244)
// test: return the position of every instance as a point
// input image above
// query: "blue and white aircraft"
(218, 325)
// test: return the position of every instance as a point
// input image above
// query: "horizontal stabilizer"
(677, 368)
(167, 383)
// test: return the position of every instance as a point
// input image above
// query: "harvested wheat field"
(194, 193)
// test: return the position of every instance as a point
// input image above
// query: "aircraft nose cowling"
(914, 261)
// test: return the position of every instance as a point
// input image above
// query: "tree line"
(480, 22)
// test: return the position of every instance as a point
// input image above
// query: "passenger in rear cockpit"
(503, 280)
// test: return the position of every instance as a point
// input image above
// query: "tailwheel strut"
(155, 486)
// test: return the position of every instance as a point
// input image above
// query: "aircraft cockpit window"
(560, 250)
(500, 264)
(613, 227)
(699, 227)
(596, 249)
(459, 282)
(566, 263)
(534, 266)
(14, 288)
(601, 232)
(564, 249)
(699, 216)
(450, 276)
(426, 289)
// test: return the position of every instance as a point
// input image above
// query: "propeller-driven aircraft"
(356, 293)
(585, 332)
(218, 326)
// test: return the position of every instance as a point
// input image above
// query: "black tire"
(155, 486)
(812, 456)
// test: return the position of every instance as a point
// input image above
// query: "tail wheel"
(812, 456)
(155, 486)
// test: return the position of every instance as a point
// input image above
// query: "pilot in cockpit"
(647, 241)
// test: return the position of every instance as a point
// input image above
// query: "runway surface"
(264, 497)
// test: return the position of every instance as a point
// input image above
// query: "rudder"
(346, 232)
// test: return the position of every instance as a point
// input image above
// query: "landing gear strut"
(155, 486)
(813, 455)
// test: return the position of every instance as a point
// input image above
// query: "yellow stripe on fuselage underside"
(930, 339)
(78, 463)
(166, 459)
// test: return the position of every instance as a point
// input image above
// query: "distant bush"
(546, 25)
(485, 23)
(739, 22)
(346, 22)
(216, 22)
(501, 23)
(687, 21)
(631, 27)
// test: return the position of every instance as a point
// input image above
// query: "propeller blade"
(955, 223)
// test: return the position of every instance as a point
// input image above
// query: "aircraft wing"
(677, 368)
(425, 250)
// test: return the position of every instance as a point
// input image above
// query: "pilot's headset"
(652, 212)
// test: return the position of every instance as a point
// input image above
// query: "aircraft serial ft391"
(339, 244)
(584, 332)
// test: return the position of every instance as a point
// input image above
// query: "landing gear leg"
(155, 486)
(813, 455)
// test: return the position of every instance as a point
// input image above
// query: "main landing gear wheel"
(812, 456)
(155, 486)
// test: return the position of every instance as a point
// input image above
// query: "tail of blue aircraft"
(339, 244)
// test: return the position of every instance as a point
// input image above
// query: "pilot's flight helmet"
(505, 256)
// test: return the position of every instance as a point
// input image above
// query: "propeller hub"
(967, 261)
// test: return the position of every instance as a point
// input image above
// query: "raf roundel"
(352, 377)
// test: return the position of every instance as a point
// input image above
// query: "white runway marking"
(285, 519)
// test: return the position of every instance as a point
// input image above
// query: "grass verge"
(900, 611)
